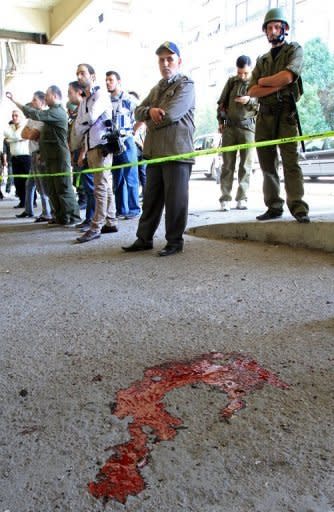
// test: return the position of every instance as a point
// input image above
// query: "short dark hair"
(40, 95)
(243, 61)
(55, 91)
(117, 75)
(76, 86)
(90, 68)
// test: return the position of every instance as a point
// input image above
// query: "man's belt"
(248, 123)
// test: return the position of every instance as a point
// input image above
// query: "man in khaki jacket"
(168, 112)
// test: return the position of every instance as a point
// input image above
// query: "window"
(240, 12)
(213, 73)
(214, 27)
(199, 144)
(245, 10)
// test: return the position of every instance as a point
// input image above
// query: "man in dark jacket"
(55, 153)
(168, 112)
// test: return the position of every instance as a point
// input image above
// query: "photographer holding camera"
(91, 125)
(125, 180)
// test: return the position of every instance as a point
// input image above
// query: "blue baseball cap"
(168, 45)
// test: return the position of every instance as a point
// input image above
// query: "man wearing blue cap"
(168, 112)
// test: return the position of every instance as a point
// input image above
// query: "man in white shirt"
(19, 150)
(94, 110)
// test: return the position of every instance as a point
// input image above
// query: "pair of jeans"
(36, 183)
(88, 185)
(30, 195)
(126, 182)
(141, 170)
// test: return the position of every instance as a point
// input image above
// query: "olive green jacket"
(235, 111)
(289, 58)
(53, 138)
(174, 135)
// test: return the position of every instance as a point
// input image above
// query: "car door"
(326, 158)
(203, 163)
(309, 160)
(199, 144)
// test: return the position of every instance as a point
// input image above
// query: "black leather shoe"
(42, 219)
(169, 250)
(23, 215)
(138, 245)
(108, 229)
(270, 214)
(303, 218)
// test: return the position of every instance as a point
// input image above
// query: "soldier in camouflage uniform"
(276, 83)
(236, 117)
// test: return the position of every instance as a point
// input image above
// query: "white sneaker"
(242, 204)
(225, 206)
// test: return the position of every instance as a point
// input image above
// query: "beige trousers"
(105, 207)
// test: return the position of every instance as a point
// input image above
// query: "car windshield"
(319, 145)
(314, 145)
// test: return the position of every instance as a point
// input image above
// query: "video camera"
(114, 141)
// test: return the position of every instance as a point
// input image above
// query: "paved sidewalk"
(208, 221)
(80, 322)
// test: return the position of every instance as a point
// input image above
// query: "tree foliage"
(309, 109)
(316, 107)
(205, 119)
(318, 64)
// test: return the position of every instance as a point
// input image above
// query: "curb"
(316, 235)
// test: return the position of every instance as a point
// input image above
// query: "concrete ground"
(81, 322)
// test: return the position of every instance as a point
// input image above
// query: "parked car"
(318, 158)
(209, 165)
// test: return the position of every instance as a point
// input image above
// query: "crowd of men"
(105, 125)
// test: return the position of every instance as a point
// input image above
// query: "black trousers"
(167, 186)
(21, 165)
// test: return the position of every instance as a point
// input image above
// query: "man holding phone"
(236, 118)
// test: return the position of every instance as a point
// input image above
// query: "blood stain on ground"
(233, 373)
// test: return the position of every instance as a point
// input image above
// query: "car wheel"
(212, 172)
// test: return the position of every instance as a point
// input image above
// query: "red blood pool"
(233, 373)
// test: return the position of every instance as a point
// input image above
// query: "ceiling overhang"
(38, 21)
(63, 14)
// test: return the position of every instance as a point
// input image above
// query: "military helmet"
(276, 14)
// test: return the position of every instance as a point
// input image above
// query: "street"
(204, 195)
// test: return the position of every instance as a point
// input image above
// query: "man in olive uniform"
(276, 83)
(55, 153)
(236, 117)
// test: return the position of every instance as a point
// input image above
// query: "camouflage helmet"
(276, 14)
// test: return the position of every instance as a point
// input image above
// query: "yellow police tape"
(185, 156)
